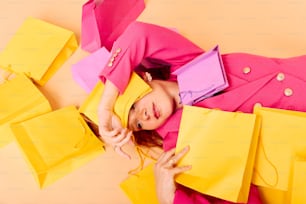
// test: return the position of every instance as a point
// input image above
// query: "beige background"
(272, 28)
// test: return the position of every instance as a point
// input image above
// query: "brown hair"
(93, 126)
(148, 138)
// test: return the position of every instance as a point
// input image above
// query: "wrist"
(109, 97)
(169, 199)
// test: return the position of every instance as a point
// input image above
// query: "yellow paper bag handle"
(261, 145)
(84, 140)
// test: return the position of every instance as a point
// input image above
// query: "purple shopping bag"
(202, 77)
(86, 71)
(103, 23)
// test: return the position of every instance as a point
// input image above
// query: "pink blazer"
(272, 82)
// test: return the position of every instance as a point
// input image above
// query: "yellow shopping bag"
(282, 136)
(273, 196)
(38, 49)
(140, 188)
(298, 180)
(56, 143)
(222, 151)
(20, 100)
(136, 89)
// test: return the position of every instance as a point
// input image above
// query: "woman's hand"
(165, 170)
(110, 128)
(112, 132)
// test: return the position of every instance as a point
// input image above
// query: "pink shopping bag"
(86, 71)
(202, 77)
(103, 22)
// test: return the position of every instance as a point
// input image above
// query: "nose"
(143, 114)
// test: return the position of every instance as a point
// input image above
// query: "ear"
(147, 77)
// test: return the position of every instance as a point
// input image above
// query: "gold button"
(118, 50)
(280, 77)
(115, 54)
(246, 70)
(288, 92)
(112, 59)
(110, 64)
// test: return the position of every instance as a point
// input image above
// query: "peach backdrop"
(272, 28)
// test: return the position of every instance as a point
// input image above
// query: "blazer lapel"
(232, 99)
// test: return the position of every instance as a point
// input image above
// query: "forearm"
(184, 195)
(109, 97)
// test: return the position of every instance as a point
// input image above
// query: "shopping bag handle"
(260, 143)
(190, 93)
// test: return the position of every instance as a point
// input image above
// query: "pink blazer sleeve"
(186, 196)
(140, 41)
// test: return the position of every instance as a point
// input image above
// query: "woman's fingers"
(118, 141)
(164, 158)
(165, 170)
(180, 169)
(119, 138)
(108, 133)
(169, 159)
(118, 147)
(126, 139)
(179, 155)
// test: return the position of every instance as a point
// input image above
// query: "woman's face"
(152, 110)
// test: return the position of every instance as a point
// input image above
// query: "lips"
(156, 112)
